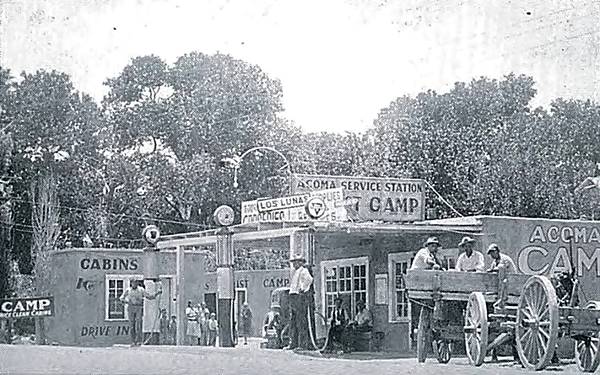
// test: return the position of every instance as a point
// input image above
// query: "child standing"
(213, 326)
(163, 336)
(173, 330)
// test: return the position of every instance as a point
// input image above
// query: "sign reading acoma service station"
(371, 198)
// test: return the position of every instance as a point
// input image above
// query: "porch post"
(180, 296)
(225, 286)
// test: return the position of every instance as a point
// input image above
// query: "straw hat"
(432, 240)
(465, 240)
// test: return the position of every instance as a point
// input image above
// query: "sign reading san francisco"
(371, 198)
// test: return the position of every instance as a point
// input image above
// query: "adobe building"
(86, 285)
(367, 261)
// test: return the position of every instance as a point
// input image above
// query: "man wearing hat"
(426, 258)
(500, 260)
(300, 284)
(469, 260)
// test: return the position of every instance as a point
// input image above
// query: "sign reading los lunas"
(323, 205)
(26, 307)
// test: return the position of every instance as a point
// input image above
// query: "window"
(115, 286)
(346, 278)
(399, 308)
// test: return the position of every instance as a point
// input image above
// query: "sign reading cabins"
(322, 205)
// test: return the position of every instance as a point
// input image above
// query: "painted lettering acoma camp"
(370, 198)
(323, 205)
(26, 307)
(552, 248)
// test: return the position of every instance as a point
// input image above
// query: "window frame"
(345, 262)
(393, 259)
(126, 282)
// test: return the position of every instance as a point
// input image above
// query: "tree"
(46, 229)
(193, 114)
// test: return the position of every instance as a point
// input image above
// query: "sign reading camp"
(371, 198)
(26, 307)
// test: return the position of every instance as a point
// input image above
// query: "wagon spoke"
(546, 334)
(540, 347)
(534, 344)
(544, 312)
(541, 338)
(527, 312)
(525, 335)
(535, 299)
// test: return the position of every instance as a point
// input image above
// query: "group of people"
(345, 333)
(202, 327)
(469, 260)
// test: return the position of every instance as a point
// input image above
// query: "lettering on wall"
(276, 282)
(241, 283)
(549, 250)
(83, 284)
(104, 331)
(115, 264)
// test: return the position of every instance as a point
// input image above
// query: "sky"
(339, 61)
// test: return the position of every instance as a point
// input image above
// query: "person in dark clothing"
(246, 315)
(337, 323)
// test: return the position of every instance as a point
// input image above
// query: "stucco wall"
(79, 290)
(258, 285)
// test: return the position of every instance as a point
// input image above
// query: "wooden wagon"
(488, 310)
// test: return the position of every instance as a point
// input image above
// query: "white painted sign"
(323, 205)
(371, 198)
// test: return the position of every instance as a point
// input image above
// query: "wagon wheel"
(443, 350)
(587, 354)
(476, 329)
(536, 330)
(423, 333)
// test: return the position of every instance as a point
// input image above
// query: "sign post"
(152, 284)
(225, 279)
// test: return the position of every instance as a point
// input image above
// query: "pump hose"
(313, 336)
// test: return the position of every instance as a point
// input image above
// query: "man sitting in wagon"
(500, 260)
(469, 260)
(426, 258)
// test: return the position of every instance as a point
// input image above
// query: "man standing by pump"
(134, 298)
(300, 284)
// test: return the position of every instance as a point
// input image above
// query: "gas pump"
(152, 284)
(223, 217)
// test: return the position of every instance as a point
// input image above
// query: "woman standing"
(246, 315)
(193, 327)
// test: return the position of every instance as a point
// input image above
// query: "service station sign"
(371, 198)
(26, 307)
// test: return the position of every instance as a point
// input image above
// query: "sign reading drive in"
(26, 307)
(370, 198)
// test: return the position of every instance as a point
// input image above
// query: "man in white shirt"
(134, 298)
(300, 284)
(426, 258)
(469, 260)
(500, 260)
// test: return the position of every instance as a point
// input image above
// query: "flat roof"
(266, 231)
